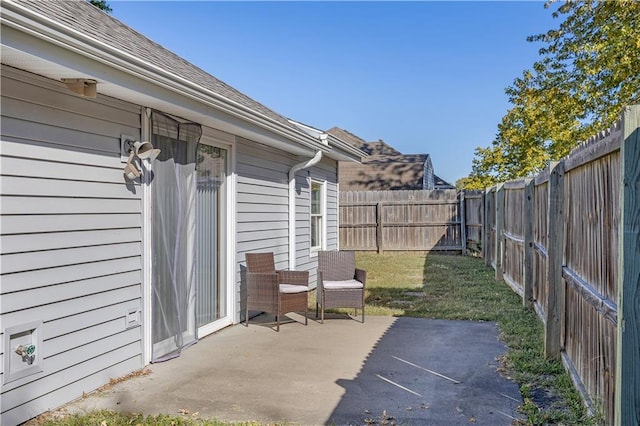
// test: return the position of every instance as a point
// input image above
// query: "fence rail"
(410, 220)
(568, 241)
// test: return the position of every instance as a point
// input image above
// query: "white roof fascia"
(309, 129)
(340, 150)
(22, 19)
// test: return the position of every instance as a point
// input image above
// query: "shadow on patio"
(435, 372)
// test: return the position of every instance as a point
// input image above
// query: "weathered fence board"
(555, 238)
(568, 241)
(473, 204)
(490, 227)
(627, 407)
(513, 231)
(401, 220)
(540, 197)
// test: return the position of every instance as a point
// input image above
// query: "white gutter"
(292, 204)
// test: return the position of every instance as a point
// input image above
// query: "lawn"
(444, 287)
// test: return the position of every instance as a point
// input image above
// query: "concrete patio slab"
(342, 372)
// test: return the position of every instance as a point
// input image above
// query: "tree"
(101, 4)
(589, 70)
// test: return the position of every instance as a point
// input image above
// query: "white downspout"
(292, 204)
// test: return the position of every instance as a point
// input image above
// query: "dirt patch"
(62, 412)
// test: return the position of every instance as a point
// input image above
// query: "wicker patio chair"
(340, 283)
(276, 292)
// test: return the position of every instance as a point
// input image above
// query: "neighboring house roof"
(441, 183)
(372, 148)
(381, 148)
(385, 168)
(397, 158)
(379, 172)
(347, 137)
(135, 61)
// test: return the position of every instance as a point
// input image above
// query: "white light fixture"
(131, 149)
(131, 170)
(82, 86)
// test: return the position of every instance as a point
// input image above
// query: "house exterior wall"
(325, 171)
(262, 207)
(262, 203)
(70, 241)
(71, 235)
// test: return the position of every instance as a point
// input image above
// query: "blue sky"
(425, 77)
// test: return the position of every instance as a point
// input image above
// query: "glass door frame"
(226, 235)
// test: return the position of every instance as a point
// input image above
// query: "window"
(317, 215)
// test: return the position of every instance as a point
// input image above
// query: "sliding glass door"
(211, 295)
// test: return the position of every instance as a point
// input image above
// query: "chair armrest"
(294, 277)
(361, 275)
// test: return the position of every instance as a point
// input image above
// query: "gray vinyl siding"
(325, 171)
(262, 206)
(70, 240)
(329, 171)
(262, 200)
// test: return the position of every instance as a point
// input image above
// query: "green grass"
(110, 418)
(444, 287)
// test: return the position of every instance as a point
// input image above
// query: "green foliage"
(101, 4)
(589, 70)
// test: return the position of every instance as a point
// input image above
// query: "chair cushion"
(335, 285)
(292, 288)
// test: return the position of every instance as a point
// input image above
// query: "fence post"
(379, 227)
(528, 215)
(486, 228)
(555, 252)
(499, 247)
(627, 404)
(463, 224)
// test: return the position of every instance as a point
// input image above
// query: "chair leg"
(306, 319)
(246, 318)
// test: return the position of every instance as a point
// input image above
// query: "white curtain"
(173, 243)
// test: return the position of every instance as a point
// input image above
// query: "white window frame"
(322, 215)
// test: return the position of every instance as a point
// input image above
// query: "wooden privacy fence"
(410, 220)
(568, 241)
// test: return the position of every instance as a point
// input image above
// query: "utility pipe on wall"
(292, 204)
